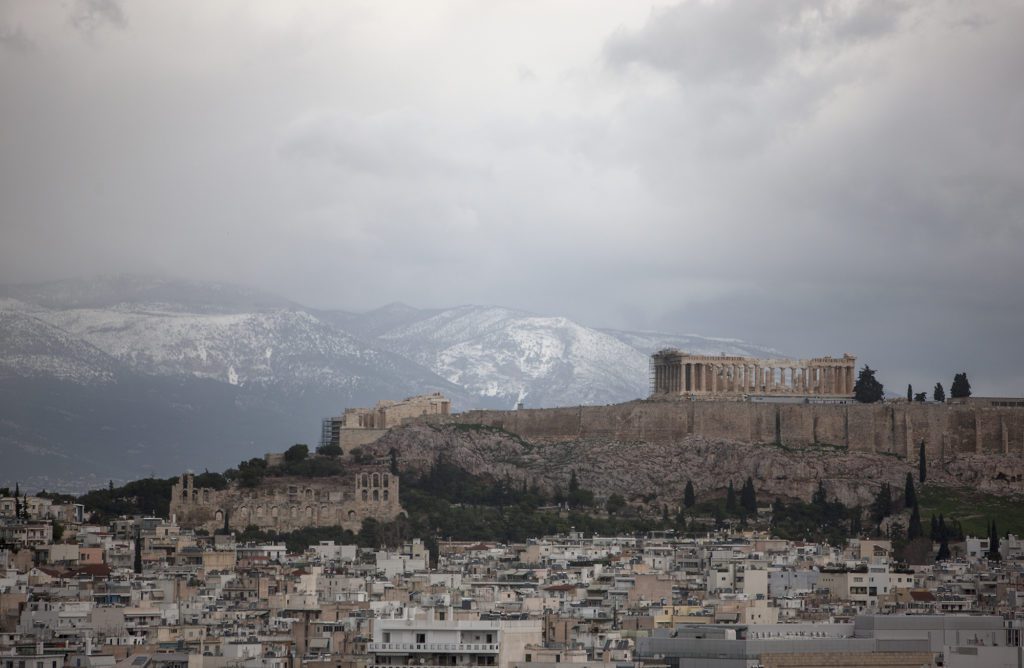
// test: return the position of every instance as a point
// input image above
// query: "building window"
(529, 658)
(421, 638)
(365, 495)
(376, 495)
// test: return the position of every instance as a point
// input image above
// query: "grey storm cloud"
(89, 15)
(818, 177)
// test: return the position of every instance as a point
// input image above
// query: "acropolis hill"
(898, 428)
(797, 403)
(788, 424)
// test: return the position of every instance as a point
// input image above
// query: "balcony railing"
(462, 647)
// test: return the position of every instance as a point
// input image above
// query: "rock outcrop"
(656, 473)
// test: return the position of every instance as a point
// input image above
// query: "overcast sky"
(819, 177)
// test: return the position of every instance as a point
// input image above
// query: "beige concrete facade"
(287, 503)
(674, 372)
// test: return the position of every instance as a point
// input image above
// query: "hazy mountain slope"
(651, 342)
(108, 291)
(373, 323)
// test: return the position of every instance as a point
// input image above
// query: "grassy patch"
(973, 509)
(490, 429)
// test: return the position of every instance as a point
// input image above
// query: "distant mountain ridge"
(219, 372)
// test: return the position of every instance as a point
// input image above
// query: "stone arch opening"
(376, 495)
(365, 495)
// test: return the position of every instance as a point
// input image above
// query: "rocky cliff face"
(656, 473)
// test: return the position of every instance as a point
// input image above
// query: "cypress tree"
(909, 493)
(939, 394)
(922, 465)
(933, 532)
(748, 498)
(881, 507)
(689, 498)
(910, 393)
(914, 529)
(943, 554)
(819, 497)
(993, 544)
(137, 565)
(730, 499)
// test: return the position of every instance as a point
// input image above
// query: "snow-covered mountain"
(287, 348)
(210, 373)
(514, 356)
(31, 347)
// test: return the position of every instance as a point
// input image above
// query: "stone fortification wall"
(895, 428)
(288, 503)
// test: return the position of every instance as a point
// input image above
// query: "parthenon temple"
(674, 372)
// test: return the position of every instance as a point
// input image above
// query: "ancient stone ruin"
(677, 373)
(289, 503)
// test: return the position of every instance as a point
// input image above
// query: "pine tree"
(867, 389)
(909, 493)
(939, 394)
(922, 465)
(961, 387)
(910, 393)
(730, 499)
(689, 498)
